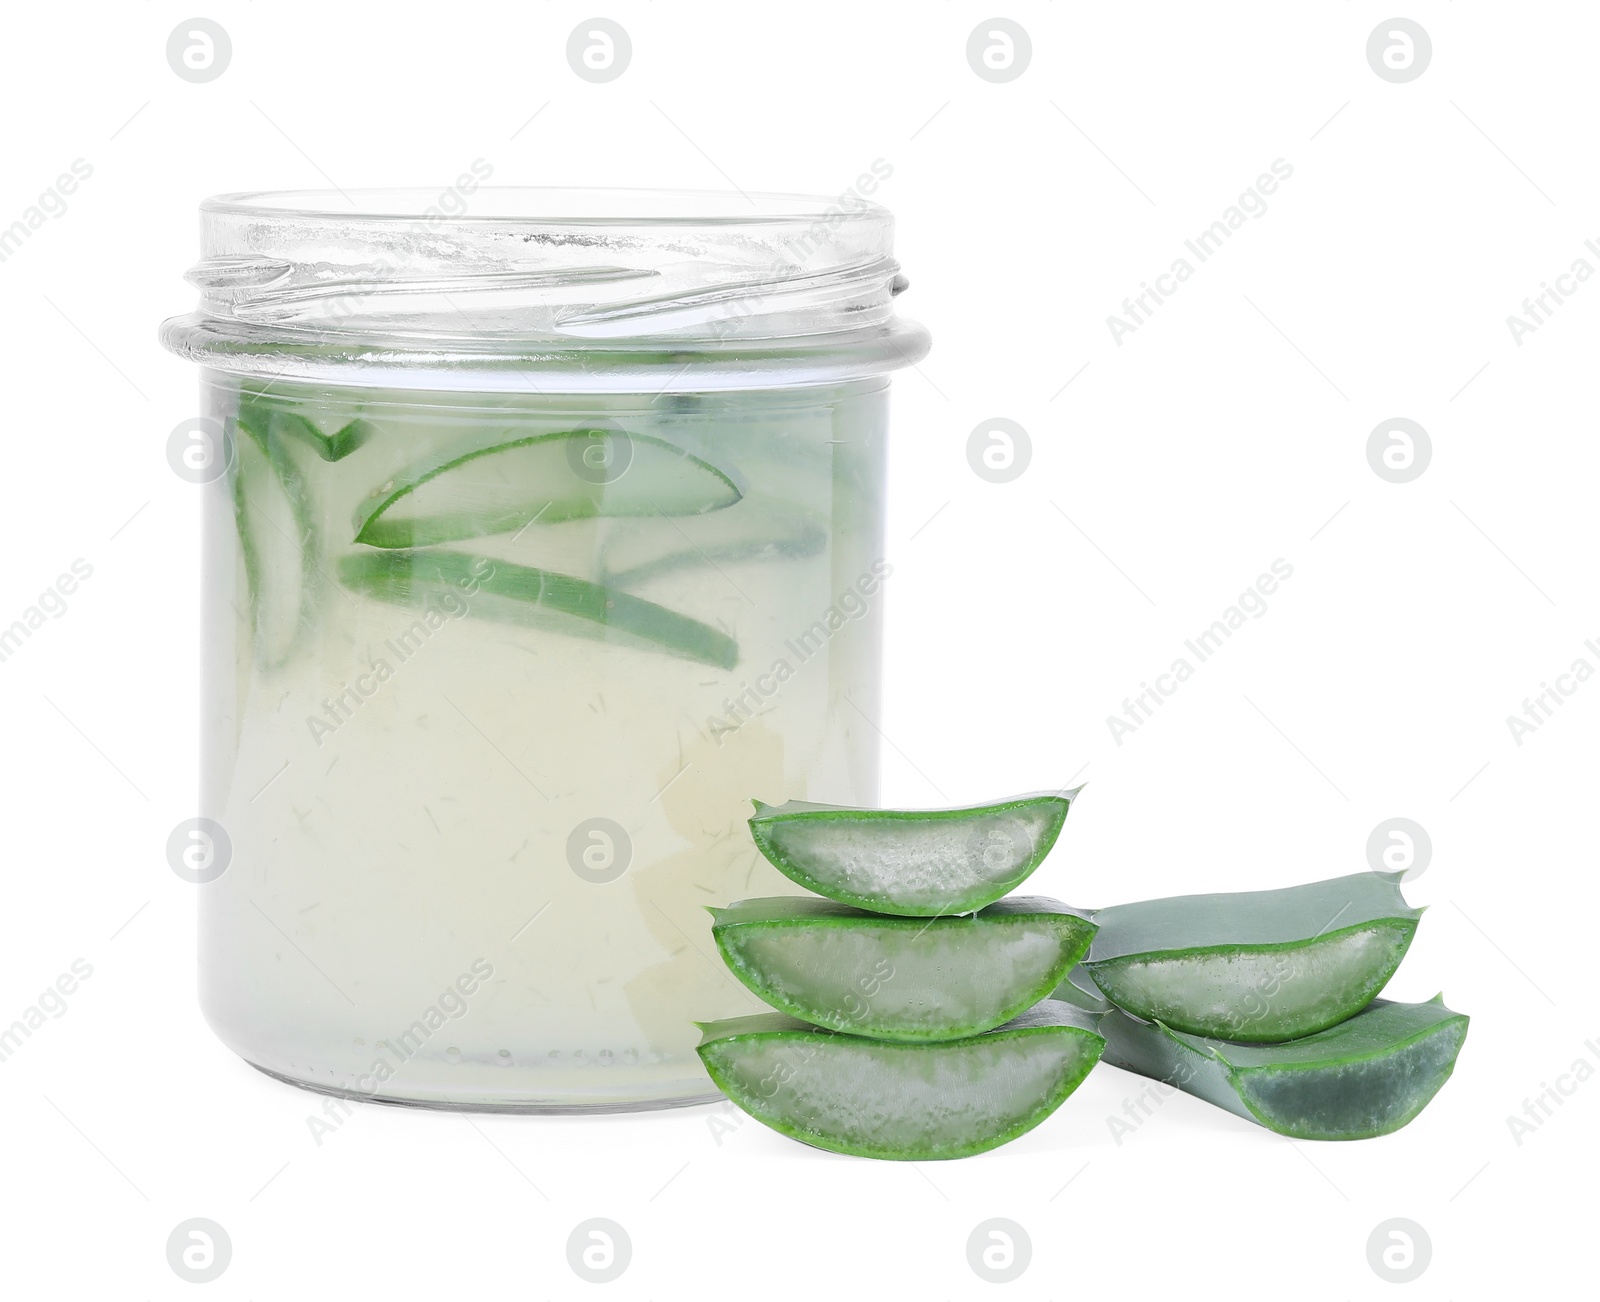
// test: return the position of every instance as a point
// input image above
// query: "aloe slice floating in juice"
(1369, 1075)
(497, 589)
(568, 475)
(1254, 966)
(277, 541)
(273, 416)
(914, 863)
(757, 529)
(898, 978)
(888, 1099)
(330, 447)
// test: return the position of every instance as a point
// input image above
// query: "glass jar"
(549, 536)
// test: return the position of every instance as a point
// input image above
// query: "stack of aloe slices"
(913, 1016)
(1264, 1003)
(499, 489)
(923, 1013)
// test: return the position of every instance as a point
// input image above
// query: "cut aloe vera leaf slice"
(281, 424)
(498, 590)
(888, 1099)
(273, 513)
(759, 529)
(1367, 1076)
(1256, 966)
(570, 475)
(901, 978)
(917, 863)
(330, 447)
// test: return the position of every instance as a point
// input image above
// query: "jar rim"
(567, 205)
(587, 287)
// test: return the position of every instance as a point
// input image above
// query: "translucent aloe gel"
(548, 535)
(1256, 966)
(894, 978)
(917, 863)
(911, 1102)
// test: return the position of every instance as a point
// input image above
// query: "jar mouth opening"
(557, 205)
(483, 278)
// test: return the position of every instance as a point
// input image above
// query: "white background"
(1227, 432)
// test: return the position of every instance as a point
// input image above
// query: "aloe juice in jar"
(494, 664)
(432, 790)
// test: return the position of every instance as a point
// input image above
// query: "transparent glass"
(424, 779)
(504, 627)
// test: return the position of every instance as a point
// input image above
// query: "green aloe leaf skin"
(919, 863)
(1254, 966)
(499, 590)
(282, 424)
(1367, 1076)
(1078, 989)
(897, 978)
(544, 478)
(911, 1102)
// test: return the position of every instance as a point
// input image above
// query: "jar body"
(483, 716)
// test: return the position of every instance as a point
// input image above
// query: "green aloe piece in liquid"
(896, 978)
(274, 515)
(1369, 1075)
(1256, 966)
(889, 1099)
(757, 529)
(913, 863)
(546, 478)
(497, 589)
(258, 411)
